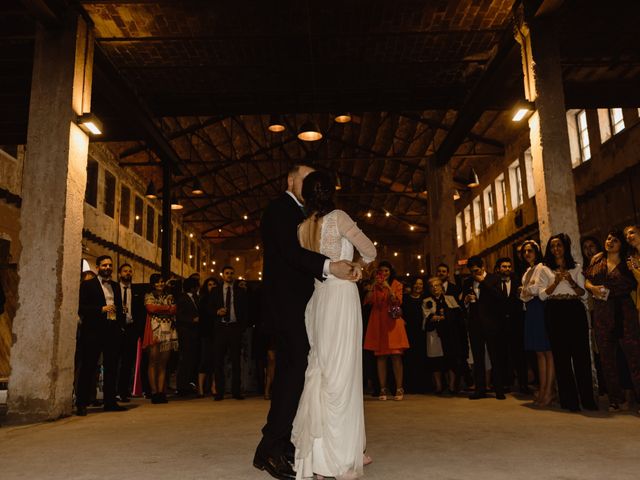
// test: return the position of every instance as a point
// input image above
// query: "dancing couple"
(315, 426)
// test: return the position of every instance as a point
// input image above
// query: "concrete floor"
(421, 437)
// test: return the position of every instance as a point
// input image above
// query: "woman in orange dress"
(386, 336)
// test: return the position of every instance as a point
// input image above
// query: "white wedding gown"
(328, 430)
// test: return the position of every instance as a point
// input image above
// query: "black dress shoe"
(124, 398)
(114, 408)
(81, 411)
(477, 395)
(276, 466)
(500, 396)
(218, 397)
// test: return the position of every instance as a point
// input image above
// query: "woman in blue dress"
(535, 333)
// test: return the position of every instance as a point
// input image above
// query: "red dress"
(385, 335)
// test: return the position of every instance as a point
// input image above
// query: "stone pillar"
(442, 216)
(44, 329)
(552, 170)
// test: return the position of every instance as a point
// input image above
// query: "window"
(109, 194)
(583, 135)
(477, 216)
(151, 222)
(489, 213)
(515, 183)
(459, 230)
(617, 122)
(501, 196)
(528, 168)
(138, 212)
(125, 206)
(467, 223)
(604, 121)
(178, 244)
(91, 192)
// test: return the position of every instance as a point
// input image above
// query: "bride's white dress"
(328, 430)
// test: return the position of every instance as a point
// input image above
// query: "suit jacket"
(138, 311)
(187, 310)
(507, 308)
(453, 290)
(482, 315)
(216, 301)
(288, 269)
(91, 302)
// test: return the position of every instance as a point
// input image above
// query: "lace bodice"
(336, 238)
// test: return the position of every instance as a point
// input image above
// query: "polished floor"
(423, 437)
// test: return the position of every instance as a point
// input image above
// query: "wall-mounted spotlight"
(522, 109)
(90, 124)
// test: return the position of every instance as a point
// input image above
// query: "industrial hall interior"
(173, 174)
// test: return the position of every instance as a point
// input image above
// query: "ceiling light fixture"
(175, 205)
(456, 194)
(151, 192)
(343, 117)
(309, 132)
(472, 180)
(197, 188)
(521, 109)
(89, 123)
(276, 125)
(338, 183)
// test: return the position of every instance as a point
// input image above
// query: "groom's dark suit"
(289, 271)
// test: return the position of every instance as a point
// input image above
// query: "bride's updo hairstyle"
(317, 191)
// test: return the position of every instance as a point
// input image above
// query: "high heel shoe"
(399, 394)
(383, 394)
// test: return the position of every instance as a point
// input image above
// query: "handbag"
(395, 311)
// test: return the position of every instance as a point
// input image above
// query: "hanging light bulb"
(472, 180)
(309, 132)
(276, 125)
(343, 117)
(151, 192)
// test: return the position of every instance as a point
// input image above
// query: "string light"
(395, 254)
(412, 228)
(257, 247)
(375, 244)
(246, 217)
(387, 214)
(369, 214)
(419, 257)
(237, 259)
(191, 235)
(422, 270)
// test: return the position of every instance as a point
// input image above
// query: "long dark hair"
(536, 249)
(392, 271)
(596, 242)
(550, 260)
(624, 246)
(317, 191)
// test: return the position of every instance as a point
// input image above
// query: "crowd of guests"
(562, 331)
(145, 332)
(570, 331)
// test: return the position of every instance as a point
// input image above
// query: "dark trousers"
(610, 342)
(188, 349)
(517, 360)
(127, 360)
(497, 348)
(227, 338)
(105, 340)
(566, 322)
(292, 348)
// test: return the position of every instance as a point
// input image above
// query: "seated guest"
(187, 322)
(509, 308)
(415, 357)
(535, 331)
(562, 290)
(160, 335)
(615, 318)
(486, 329)
(441, 320)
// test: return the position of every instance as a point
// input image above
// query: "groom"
(288, 271)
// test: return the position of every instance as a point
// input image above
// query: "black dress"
(415, 358)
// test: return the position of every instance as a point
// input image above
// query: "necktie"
(125, 298)
(504, 288)
(227, 304)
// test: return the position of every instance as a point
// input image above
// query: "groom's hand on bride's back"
(346, 270)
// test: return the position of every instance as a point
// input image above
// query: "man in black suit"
(228, 308)
(450, 288)
(288, 274)
(510, 312)
(101, 331)
(135, 317)
(187, 322)
(480, 295)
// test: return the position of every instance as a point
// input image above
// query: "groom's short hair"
(296, 167)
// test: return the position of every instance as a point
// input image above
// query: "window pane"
(467, 223)
(515, 181)
(138, 212)
(489, 215)
(125, 206)
(501, 196)
(528, 165)
(91, 193)
(477, 216)
(109, 194)
(151, 222)
(617, 122)
(459, 230)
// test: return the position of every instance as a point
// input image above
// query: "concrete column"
(44, 329)
(552, 171)
(442, 215)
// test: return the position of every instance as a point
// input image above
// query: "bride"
(328, 430)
